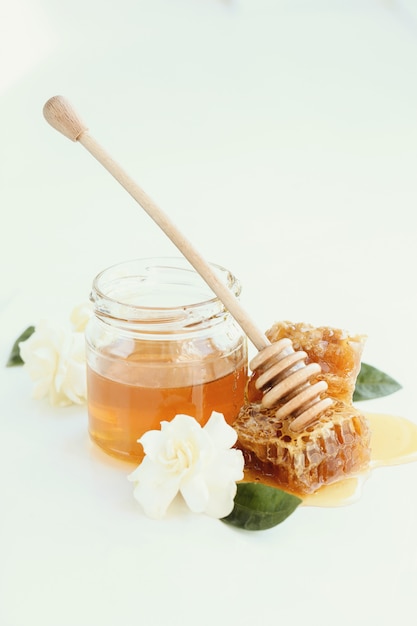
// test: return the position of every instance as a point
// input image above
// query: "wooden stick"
(61, 116)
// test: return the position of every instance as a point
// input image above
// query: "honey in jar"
(160, 343)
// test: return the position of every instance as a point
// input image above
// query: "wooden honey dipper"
(283, 373)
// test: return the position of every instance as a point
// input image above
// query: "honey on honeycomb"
(335, 447)
(336, 351)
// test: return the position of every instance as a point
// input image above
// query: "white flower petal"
(40, 355)
(57, 398)
(80, 316)
(226, 468)
(195, 492)
(221, 433)
(55, 361)
(227, 465)
(181, 427)
(70, 378)
(154, 488)
(151, 442)
(221, 502)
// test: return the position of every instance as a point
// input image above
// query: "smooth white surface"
(281, 137)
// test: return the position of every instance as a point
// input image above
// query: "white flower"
(55, 361)
(185, 458)
(80, 316)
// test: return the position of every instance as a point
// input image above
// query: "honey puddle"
(393, 442)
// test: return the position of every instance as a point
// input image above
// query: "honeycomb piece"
(332, 449)
(335, 350)
(336, 446)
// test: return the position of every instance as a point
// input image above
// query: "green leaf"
(372, 383)
(15, 358)
(258, 506)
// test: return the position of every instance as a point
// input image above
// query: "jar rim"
(110, 289)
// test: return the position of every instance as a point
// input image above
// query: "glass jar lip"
(107, 289)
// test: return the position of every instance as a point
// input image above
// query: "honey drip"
(393, 442)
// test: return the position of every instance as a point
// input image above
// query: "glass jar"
(160, 343)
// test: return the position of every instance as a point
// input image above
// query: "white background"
(281, 137)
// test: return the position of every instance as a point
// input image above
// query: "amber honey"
(160, 344)
(121, 413)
